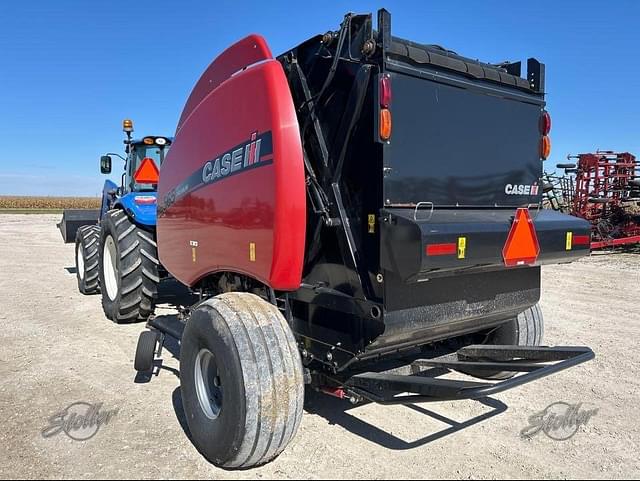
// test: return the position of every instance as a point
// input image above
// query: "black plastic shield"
(461, 145)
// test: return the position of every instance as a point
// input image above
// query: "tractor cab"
(136, 192)
(142, 163)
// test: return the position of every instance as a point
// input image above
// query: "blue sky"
(70, 71)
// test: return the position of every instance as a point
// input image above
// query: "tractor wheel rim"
(80, 262)
(109, 264)
(208, 384)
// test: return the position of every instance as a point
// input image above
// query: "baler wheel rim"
(208, 384)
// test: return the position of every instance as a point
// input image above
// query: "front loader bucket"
(73, 219)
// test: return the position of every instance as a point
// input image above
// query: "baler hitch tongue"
(528, 363)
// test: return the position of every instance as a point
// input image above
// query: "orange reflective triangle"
(522, 247)
(147, 172)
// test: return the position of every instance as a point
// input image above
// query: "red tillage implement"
(607, 194)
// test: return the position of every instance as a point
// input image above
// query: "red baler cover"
(232, 191)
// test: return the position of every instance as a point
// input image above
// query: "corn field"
(48, 203)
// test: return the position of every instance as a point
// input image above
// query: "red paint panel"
(248, 51)
(263, 203)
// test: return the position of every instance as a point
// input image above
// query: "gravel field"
(58, 349)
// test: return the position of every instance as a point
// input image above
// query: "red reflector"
(147, 173)
(545, 123)
(442, 249)
(385, 91)
(581, 240)
(522, 247)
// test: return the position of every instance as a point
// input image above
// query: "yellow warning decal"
(194, 250)
(462, 247)
(569, 241)
(372, 224)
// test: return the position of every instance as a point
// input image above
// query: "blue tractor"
(118, 255)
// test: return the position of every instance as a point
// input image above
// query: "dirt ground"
(58, 349)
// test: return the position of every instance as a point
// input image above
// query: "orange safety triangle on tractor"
(147, 172)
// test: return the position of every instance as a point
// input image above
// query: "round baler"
(328, 209)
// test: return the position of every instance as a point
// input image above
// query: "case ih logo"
(233, 161)
(521, 189)
(254, 153)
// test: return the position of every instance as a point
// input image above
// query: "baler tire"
(87, 259)
(525, 330)
(241, 380)
(134, 269)
(146, 351)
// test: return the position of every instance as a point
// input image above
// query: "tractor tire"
(525, 330)
(128, 269)
(87, 259)
(241, 379)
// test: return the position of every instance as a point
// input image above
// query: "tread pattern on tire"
(89, 237)
(145, 351)
(530, 327)
(138, 271)
(525, 330)
(272, 375)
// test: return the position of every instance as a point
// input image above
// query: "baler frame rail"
(535, 362)
(171, 327)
